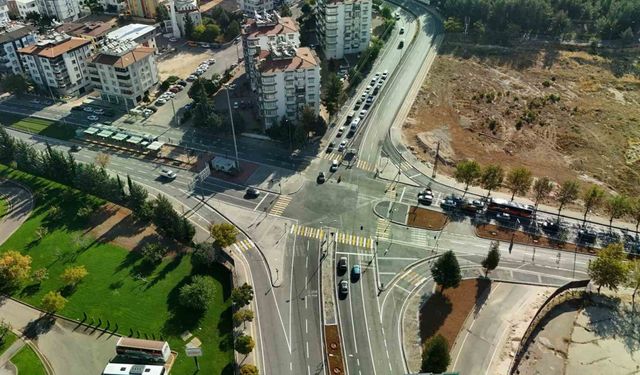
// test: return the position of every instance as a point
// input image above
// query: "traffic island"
(494, 232)
(334, 349)
(424, 218)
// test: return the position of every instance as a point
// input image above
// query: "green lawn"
(4, 206)
(39, 126)
(119, 287)
(9, 338)
(28, 362)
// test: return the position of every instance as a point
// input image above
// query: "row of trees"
(612, 269)
(520, 181)
(211, 29)
(93, 179)
(604, 18)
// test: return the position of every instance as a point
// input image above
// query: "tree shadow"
(433, 313)
(609, 318)
(181, 319)
(172, 265)
(30, 290)
(39, 326)
(483, 290)
(228, 369)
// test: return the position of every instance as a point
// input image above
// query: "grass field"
(120, 287)
(4, 206)
(28, 362)
(9, 338)
(39, 126)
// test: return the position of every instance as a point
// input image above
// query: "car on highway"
(401, 30)
(342, 264)
(401, 44)
(330, 147)
(321, 178)
(93, 118)
(425, 197)
(342, 146)
(75, 148)
(168, 173)
(362, 113)
(343, 288)
(355, 272)
(252, 193)
(340, 132)
(334, 165)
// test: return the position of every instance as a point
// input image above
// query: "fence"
(550, 303)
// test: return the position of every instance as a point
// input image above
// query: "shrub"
(153, 252)
(197, 294)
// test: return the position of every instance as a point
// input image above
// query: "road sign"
(193, 352)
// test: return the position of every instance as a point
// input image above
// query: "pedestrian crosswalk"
(382, 229)
(361, 164)
(332, 156)
(304, 231)
(243, 245)
(390, 192)
(364, 165)
(280, 205)
(419, 236)
(413, 278)
(405, 166)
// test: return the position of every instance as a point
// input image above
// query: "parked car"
(160, 101)
(75, 148)
(77, 108)
(362, 113)
(503, 216)
(448, 204)
(173, 40)
(401, 44)
(385, 74)
(87, 109)
(174, 89)
(98, 111)
(401, 30)
(168, 173)
(182, 83)
(93, 118)
(192, 78)
(425, 197)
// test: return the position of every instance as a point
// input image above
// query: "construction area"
(562, 114)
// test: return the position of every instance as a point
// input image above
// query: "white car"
(160, 101)
(170, 94)
(342, 146)
(334, 165)
(236, 105)
(385, 74)
(168, 173)
(377, 75)
(211, 61)
(173, 40)
(93, 118)
(192, 78)
(87, 109)
(362, 113)
(204, 66)
(98, 111)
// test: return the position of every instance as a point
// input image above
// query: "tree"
(609, 268)
(467, 171)
(74, 275)
(634, 211)
(491, 177)
(248, 369)
(617, 206)
(153, 252)
(4, 329)
(40, 275)
(446, 271)
(102, 159)
(633, 279)
(162, 13)
(386, 13)
(542, 188)
(198, 294)
(493, 258)
(568, 193)
(519, 181)
(138, 200)
(165, 217)
(211, 32)
(188, 27)
(15, 84)
(224, 234)
(242, 295)
(453, 25)
(592, 198)
(285, 11)
(232, 31)
(242, 316)
(14, 269)
(435, 355)
(245, 344)
(53, 302)
(333, 94)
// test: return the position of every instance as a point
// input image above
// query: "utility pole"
(435, 162)
(233, 129)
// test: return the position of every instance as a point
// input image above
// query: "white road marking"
(398, 286)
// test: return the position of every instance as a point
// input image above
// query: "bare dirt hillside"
(562, 114)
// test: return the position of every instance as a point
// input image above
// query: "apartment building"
(343, 26)
(61, 10)
(26, 6)
(259, 31)
(57, 63)
(94, 31)
(4, 13)
(123, 71)
(250, 7)
(12, 38)
(143, 8)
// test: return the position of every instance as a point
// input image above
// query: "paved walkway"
(7, 367)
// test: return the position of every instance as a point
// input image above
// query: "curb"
(386, 218)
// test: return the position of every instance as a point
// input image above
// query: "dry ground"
(561, 114)
(183, 63)
(419, 217)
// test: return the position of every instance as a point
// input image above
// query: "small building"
(143, 349)
(130, 369)
(25, 7)
(144, 35)
(58, 63)
(123, 71)
(13, 38)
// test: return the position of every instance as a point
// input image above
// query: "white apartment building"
(58, 63)
(289, 80)
(250, 7)
(12, 39)
(27, 6)
(343, 26)
(62, 10)
(259, 32)
(4, 13)
(124, 72)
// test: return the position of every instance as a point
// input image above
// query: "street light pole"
(233, 129)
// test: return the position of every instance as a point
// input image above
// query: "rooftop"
(285, 25)
(132, 31)
(141, 343)
(13, 32)
(54, 47)
(130, 369)
(305, 58)
(124, 60)
(92, 29)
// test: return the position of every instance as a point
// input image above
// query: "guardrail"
(562, 294)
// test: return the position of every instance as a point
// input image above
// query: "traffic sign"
(193, 352)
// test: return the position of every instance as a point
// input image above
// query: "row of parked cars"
(93, 113)
(204, 66)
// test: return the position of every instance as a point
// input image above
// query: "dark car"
(252, 193)
(75, 148)
(182, 83)
(321, 178)
(330, 147)
(342, 265)
(343, 288)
